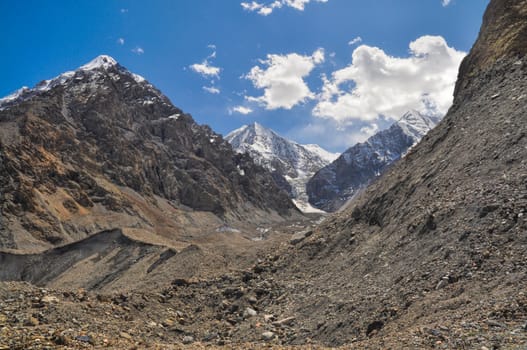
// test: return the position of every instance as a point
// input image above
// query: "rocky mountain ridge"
(101, 148)
(335, 184)
(291, 163)
(431, 255)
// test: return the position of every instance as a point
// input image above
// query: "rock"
(125, 335)
(267, 336)
(441, 284)
(84, 339)
(497, 324)
(49, 299)
(59, 338)
(180, 282)
(188, 339)
(210, 336)
(31, 322)
(250, 312)
(300, 236)
(268, 318)
(168, 323)
(374, 327)
(284, 322)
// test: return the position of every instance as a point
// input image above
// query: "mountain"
(333, 185)
(100, 148)
(432, 253)
(292, 164)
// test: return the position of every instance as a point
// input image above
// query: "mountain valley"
(125, 224)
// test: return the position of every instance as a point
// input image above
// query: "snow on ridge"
(15, 95)
(296, 163)
(324, 154)
(102, 61)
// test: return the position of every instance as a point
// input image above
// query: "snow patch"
(307, 208)
(14, 96)
(102, 61)
(226, 228)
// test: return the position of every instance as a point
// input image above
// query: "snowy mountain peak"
(416, 124)
(335, 184)
(290, 162)
(92, 72)
(102, 61)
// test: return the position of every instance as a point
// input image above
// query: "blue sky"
(330, 72)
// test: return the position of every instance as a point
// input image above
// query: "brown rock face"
(100, 147)
(503, 35)
(440, 239)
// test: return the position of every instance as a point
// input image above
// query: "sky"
(330, 72)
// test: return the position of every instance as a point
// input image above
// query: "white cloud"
(378, 84)
(445, 2)
(240, 109)
(282, 79)
(212, 90)
(138, 50)
(120, 41)
(332, 135)
(355, 40)
(205, 68)
(369, 130)
(266, 9)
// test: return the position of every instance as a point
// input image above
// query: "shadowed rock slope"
(433, 253)
(101, 148)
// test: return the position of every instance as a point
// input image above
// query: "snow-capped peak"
(93, 69)
(416, 124)
(294, 162)
(102, 61)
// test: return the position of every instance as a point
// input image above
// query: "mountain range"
(124, 224)
(291, 163)
(100, 147)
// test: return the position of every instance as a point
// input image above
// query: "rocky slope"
(101, 148)
(332, 186)
(432, 254)
(291, 164)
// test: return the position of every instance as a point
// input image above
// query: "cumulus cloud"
(241, 110)
(355, 40)
(445, 2)
(377, 84)
(211, 90)
(282, 79)
(205, 68)
(267, 8)
(120, 41)
(138, 50)
(333, 135)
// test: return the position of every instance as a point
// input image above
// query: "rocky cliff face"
(292, 164)
(332, 186)
(433, 252)
(100, 147)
